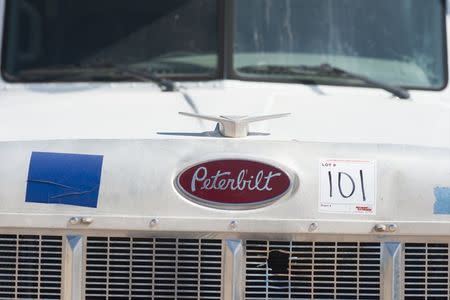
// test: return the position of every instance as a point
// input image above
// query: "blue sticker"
(442, 204)
(59, 178)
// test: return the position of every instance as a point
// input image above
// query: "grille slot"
(426, 271)
(153, 268)
(30, 267)
(317, 270)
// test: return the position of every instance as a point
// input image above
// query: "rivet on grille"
(392, 227)
(233, 225)
(313, 226)
(74, 220)
(154, 222)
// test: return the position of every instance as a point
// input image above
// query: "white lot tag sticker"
(347, 186)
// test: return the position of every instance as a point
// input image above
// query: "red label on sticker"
(363, 208)
(233, 183)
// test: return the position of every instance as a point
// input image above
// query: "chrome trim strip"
(234, 266)
(391, 271)
(233, 235)
(250, 225)
(73, 267)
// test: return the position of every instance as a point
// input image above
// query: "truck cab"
(224, 149)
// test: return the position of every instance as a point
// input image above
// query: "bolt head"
(87, 220)
(380, 228)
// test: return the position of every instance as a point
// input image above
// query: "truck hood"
(140, 111)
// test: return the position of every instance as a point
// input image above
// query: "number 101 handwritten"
(352, 181)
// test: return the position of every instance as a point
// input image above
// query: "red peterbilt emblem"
(233, 183)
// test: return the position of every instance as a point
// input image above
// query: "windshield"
(46, 37)
(400, 42)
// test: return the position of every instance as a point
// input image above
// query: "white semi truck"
(224, 149)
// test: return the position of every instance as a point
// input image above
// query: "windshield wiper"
(165, 84)
(329, 71)
(87, 72)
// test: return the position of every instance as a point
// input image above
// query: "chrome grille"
(30, 267)
(153, 268)
(427, 271)
(316, 270)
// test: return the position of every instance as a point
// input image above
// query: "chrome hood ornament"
(234, 126)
